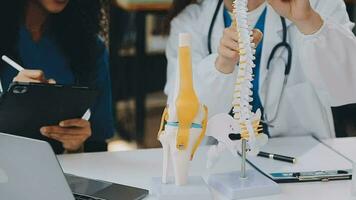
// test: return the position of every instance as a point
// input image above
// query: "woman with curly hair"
(57, 41)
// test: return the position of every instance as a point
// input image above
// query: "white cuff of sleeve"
(209, 62)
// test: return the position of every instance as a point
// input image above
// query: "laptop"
(30, 170)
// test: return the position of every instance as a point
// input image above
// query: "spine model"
(249, 121)
(243, 130)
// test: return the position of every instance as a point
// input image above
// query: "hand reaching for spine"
(299, 12)
(228, 49)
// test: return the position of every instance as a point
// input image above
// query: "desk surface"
(136, 168)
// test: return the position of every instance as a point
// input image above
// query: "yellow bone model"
(184, 120)
(187, 103)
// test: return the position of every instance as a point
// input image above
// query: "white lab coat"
(323, 72)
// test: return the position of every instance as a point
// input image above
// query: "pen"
(277, 157)
(12, 63)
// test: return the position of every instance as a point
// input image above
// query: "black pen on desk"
(277, 157)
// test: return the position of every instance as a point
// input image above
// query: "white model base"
(233, 186)
(196, 189)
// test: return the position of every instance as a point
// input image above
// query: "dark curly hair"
(75, 29)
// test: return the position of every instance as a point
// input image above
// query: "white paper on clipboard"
(311, 155)
(1, 88)
(87, 115)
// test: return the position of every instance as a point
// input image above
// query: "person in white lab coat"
(323, 62)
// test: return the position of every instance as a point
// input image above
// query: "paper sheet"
(310, 153)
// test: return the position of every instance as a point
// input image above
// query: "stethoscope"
(282, 45)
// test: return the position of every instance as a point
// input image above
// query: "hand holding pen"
(72, 133)
(25, 75)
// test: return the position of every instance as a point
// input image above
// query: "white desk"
(136, 168)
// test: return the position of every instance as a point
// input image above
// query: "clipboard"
(315, 161)
(26, 107)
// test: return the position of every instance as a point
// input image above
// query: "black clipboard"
(314, 176)
(306, 145)
(26, 107)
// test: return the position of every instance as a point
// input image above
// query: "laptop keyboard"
(84, 197)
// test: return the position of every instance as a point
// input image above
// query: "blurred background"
(136, 37)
